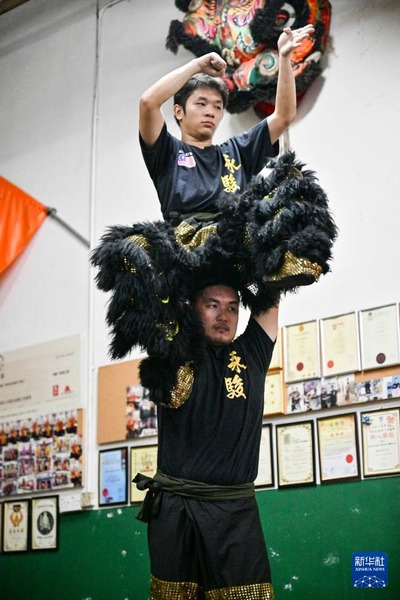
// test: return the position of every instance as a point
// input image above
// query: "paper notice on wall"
(41, 379)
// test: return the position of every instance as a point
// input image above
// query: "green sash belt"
(184, 487)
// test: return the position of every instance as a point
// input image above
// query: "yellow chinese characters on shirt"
(234, 384)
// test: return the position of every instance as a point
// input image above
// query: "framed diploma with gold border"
(265, 477)
(16, 525)
(44, 523)
(144, 461)
(338, 448)
(379, 337)
(340, 345)
(301, 344)
(274, 394)
(295, 454)
(381, 442)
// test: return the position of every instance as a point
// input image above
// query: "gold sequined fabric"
(172, 590)
(255, 591)
(181, 392)
(189, 237)
(293, 265)
(139, 240)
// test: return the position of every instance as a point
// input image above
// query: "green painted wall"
(311, 533)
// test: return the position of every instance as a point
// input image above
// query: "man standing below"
(205, 536)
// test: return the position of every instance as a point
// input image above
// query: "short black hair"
(198, 81)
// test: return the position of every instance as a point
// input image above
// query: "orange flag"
(20, 218)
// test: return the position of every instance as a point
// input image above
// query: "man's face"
(218, 309)
(202, 115)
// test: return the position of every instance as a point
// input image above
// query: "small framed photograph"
(113, 476)
(338, 448)
(381, 442)
(295, 449)
(144, 461)
(265, 477)
(16, 525)
(44, 523)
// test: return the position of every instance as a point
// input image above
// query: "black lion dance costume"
(271, 239)
(245, 33)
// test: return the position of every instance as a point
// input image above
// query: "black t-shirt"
(215, 436)
(190, 179)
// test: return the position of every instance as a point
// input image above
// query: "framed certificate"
(44, 523)
(16, 526)
(340, 345)
(113, 476)
(274, 394)
(276, 360)
(381, 442)
(379, 335)
(295, 453)
(144, 461)
(265, 477)
(301, 351)
(338, 451)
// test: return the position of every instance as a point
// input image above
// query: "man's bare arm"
(151, 118)
(285, 100)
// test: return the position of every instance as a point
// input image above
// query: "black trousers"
(209, 546)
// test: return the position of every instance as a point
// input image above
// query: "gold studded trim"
(292, 265)
(138, 240)
(188, 237)
(182, 390)
(129, 266)
(255, 591)
(172, 590)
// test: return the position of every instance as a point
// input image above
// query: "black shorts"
(200, 549)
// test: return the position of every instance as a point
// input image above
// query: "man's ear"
(178, 112)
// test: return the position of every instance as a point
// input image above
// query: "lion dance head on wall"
(245, 33)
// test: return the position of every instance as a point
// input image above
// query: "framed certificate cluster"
(358, 340)
(30, 524)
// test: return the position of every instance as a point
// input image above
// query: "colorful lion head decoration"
(245, 33)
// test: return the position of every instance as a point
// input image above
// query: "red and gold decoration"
(245, 33)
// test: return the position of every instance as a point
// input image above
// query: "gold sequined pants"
(170, 590)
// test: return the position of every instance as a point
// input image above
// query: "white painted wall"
(83, 158)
